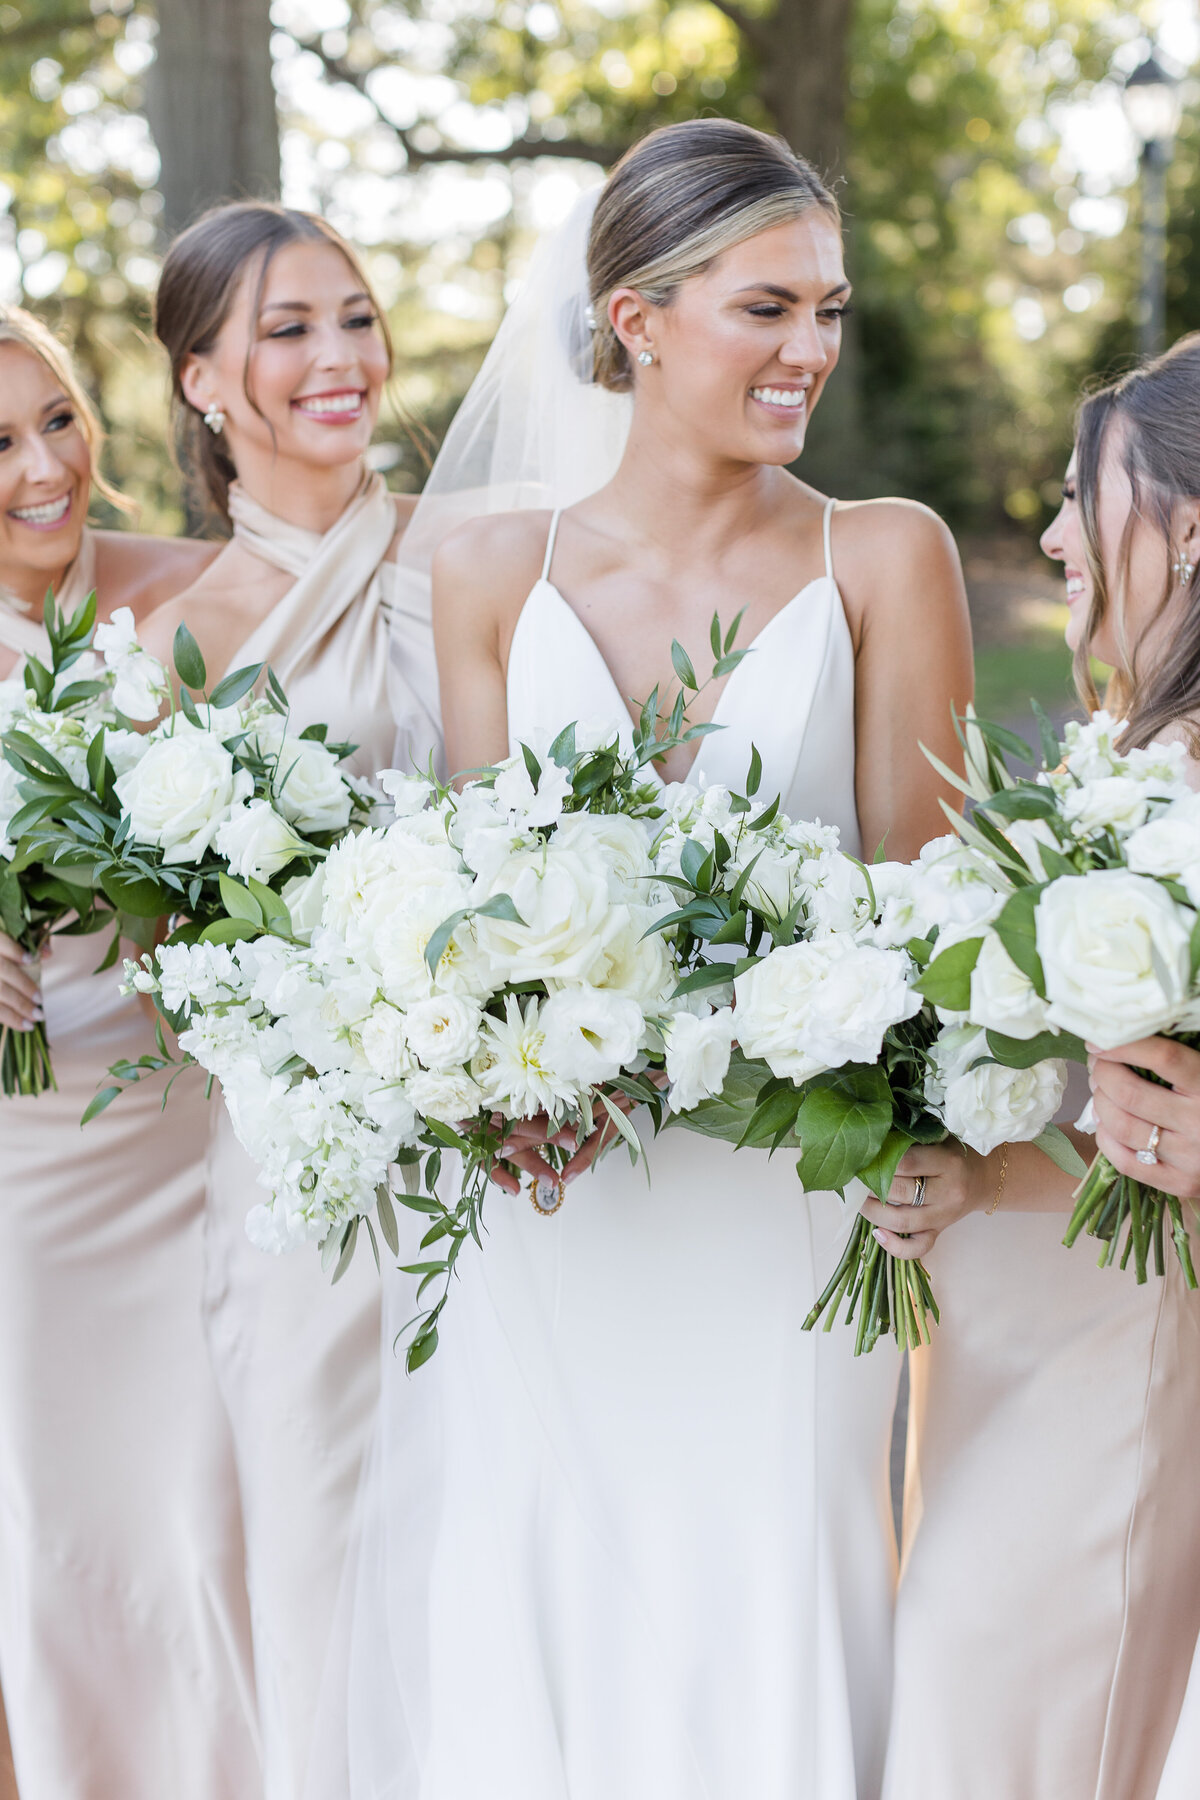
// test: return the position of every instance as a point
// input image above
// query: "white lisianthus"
(1091, 747)
(514, 1071)
(634, 963)
(256, 842)
(309, 788)
(817, 1005)
(568, 919)
(622, 843)
(1115, 949)
(526, 805)
(443, 1031)
(140, 688)
(180, 794)
(447, 1095)
(1002, 998)
(987, 1105)
(590, 1034)
(698, 1051)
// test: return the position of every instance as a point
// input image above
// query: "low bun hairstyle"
(20, 327)
(1159, 406)
(201, 273)
(673, 203)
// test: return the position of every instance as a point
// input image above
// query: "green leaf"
(692, 859)
(731, 634)
(1023, 802)
(714, 634)
(1007, 741)
(765, 818)
(275, 692)
(98, 1102)
(238, 901)
(275, 914)
(421, 1349)
(532, 764)
(754, 777)
(726, 1115)
(349, 1239)
(880, 1172)
(97, 765)
(562, 750)
(446, 1134)
(230, 690)
(1022, 1053)
(229, 931)
(729, 663)
(682, 664)
(500, 906)
(188, 708)
(1193, 946)
(711, 975)
(773, 1118)
(386, 1214)
(1058, 1147)
(947, 980)
(189, 664)
(1016, 928)
(143, 898)
(1051, 748)
(843, 1121)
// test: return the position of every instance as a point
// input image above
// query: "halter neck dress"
(627, 1535)
(297, 1361)
(124, 1630)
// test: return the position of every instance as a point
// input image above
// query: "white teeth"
(779, 396)
(333, 403)
(48, 514)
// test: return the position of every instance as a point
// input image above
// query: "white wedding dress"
(627, 1535)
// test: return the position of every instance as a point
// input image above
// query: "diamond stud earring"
(214, 418)
(645, 357)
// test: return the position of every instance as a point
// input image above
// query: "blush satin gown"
(627, 1536)
(297, 1360)
(124, 1633)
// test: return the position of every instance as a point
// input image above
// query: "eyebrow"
(782, 293)
(50, 406)
(303, 306)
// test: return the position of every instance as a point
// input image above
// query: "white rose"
(989, 1105)
(590, 1035)
(568, 919)
(635, 964)
(256, 842)
(818, 1005)
(622, 843)
(180, 794)
(304, 897)
(308, 787)
(1002, 998)
(698, 1053)
(444, 1094)
(443, 1031)
(1168, 846)
(774, 1000)
(1115, 949)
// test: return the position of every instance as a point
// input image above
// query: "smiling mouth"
(781, 399)
(49, 513)
(332, 409)
(1075, 587)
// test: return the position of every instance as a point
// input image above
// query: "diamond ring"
(1149, 1156)
(918, 1198)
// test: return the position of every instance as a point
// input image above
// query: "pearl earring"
(214, 418)
(1183, 568)
(645, 357)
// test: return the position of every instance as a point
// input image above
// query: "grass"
(1008, 676)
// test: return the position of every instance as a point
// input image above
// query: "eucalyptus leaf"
(189, 664)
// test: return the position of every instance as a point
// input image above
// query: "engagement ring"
(1149, 1155)
(918, 1198)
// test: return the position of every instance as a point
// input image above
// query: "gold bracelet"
(1003, 1178)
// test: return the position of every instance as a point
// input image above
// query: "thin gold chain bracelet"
(1003, 1178)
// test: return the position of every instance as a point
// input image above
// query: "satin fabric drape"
(124, 1635)
(298, 1362)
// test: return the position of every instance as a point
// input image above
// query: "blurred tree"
(210, 104)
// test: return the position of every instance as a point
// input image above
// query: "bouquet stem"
(25, 1066)
(887, 1293)
(1105, 1201)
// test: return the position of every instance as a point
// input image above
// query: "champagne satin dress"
(1050, 1589)
(124, 1633)
(297, 1360)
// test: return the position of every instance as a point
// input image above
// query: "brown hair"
(1159, 407)
(200, 278)
(20, 327)
(674, 203)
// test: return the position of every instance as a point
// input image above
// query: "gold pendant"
(553, 1187)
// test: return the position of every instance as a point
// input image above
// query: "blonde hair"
(675, 202)
(20, 327)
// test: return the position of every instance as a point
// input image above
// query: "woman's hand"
(20, 992)
(1128, 1108)
(528, 1138)
(957, 1181)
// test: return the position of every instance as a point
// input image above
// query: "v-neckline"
(556, 594)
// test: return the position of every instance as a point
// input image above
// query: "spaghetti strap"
(828, 522)
(550, 543)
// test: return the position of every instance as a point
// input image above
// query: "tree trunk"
(210, 102)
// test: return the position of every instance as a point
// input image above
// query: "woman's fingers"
(906, 1249)
(1116, 1084)
(1176, 1063)
(20, 993)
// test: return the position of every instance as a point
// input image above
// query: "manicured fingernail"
(879, 1236)
(30, 958)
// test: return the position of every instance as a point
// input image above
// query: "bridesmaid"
(279, 356)
(1050, 1593)
(124, 1637)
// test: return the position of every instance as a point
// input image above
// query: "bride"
(628, 1534)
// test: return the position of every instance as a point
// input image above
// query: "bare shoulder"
(897, 566)
(142, 571)
(493, 560)
(906, 529)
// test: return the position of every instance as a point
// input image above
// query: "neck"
(27, 587)
(673, 492)
(299, 494)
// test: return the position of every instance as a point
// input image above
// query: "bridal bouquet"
(51, 720)
(488, 957)
(1097, 939)
(843, 1052)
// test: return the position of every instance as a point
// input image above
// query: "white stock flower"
(820, 1004)
(837, 894)
(1002, 998)
(180, 794)
(308, 787)
(526, 805)
(899, 914)
(140, 687)
(407, 793)
(952, 886)
(589, 1034)
(990, 1105)
(698, 1051)
(447, 1095)
(513, 1069)
(202, 975)
(256, 842)
(562, 898)
(443, 1031)
(1115, 950)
